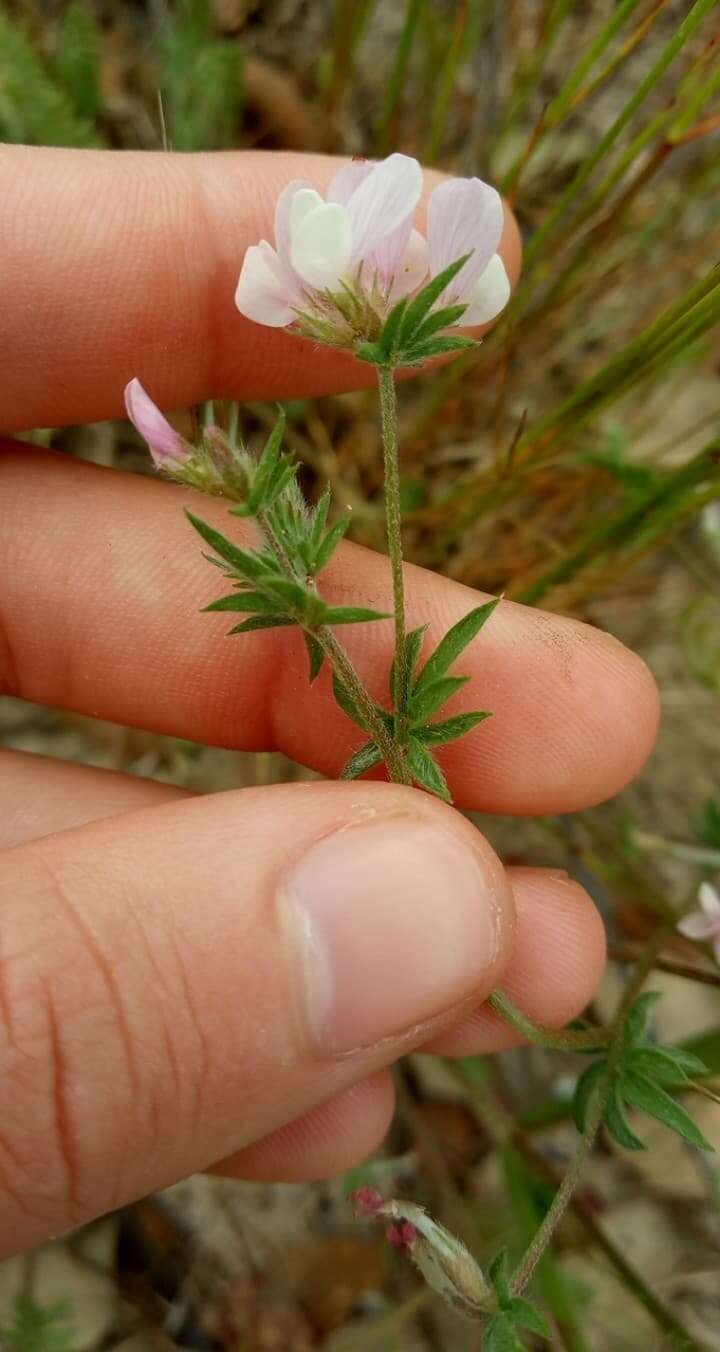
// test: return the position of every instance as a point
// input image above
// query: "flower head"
(340, 263)
(704, 922)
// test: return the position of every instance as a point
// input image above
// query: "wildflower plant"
(351, 270)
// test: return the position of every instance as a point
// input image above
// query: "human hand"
(189, 983)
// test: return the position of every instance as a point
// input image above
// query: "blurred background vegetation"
(573, 462)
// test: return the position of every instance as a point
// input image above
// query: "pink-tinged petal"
(347, 179)
(283, 208)
(321, 246)
(385, 260)
(709, 899)
(465, 216)
(166, 445)
(413, 267)
(489, 295)
(382, 202)
(262, 294)
(697, 925)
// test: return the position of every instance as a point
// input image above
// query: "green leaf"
(368, 756)
(352, 615)
(330, 543)
(642, 1093)
(252, 566)
(436, 734)
(439, 319)
(315, 655)
(347, 704)
(427, 699)
(426, 771)
(523, 1313)
(425, 299)
(618, 1125)
(451, 646)
(434, 347)
(413, 647)
(247, 601)
(584, 1090)
(666, 1065)
(262, 622)
(371, 352)
(500, 1335)
(267, 464)
(389, 337)
(639, 1016)
(499, 1274)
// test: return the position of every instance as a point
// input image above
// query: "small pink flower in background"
(167, 447)
(704, 923)
(465, 216)
(341, 262)
(363, 226)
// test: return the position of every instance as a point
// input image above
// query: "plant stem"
(563, 1196)
(393, 518)
(562, 1039)
(343, 667)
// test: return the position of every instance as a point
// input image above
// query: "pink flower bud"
(167, 447)
(366, 1201)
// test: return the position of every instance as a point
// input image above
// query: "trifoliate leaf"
(348, 705)
(639, 1016)
(426, 771)
(584, 1091)
(363, 760)
(428, 698)
(421, 305)
(454, 642)
(352, 615)
(643, 1093)
(436, 734)
(618, 1125)
(315, 655)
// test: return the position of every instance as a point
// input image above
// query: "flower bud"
(167, 447)
(444, 1261)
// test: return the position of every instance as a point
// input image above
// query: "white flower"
(465, 216)
(363, 228)
(704, 923)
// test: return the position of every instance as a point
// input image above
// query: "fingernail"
(392, 922)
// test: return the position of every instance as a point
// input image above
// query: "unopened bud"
(444, 1261)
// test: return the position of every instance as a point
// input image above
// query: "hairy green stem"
(393, 518)
(562, 1039)
(563, 1196)
(342, 666)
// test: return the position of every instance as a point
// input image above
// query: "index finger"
(119, 263)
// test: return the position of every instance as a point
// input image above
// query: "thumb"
(178, 982)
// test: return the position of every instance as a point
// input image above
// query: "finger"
(336, 1136)
(39, 794)
(107, 622)
(557, 960)
(124, 264)
(177, 983)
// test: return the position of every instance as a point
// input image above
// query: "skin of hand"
(222, 982)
